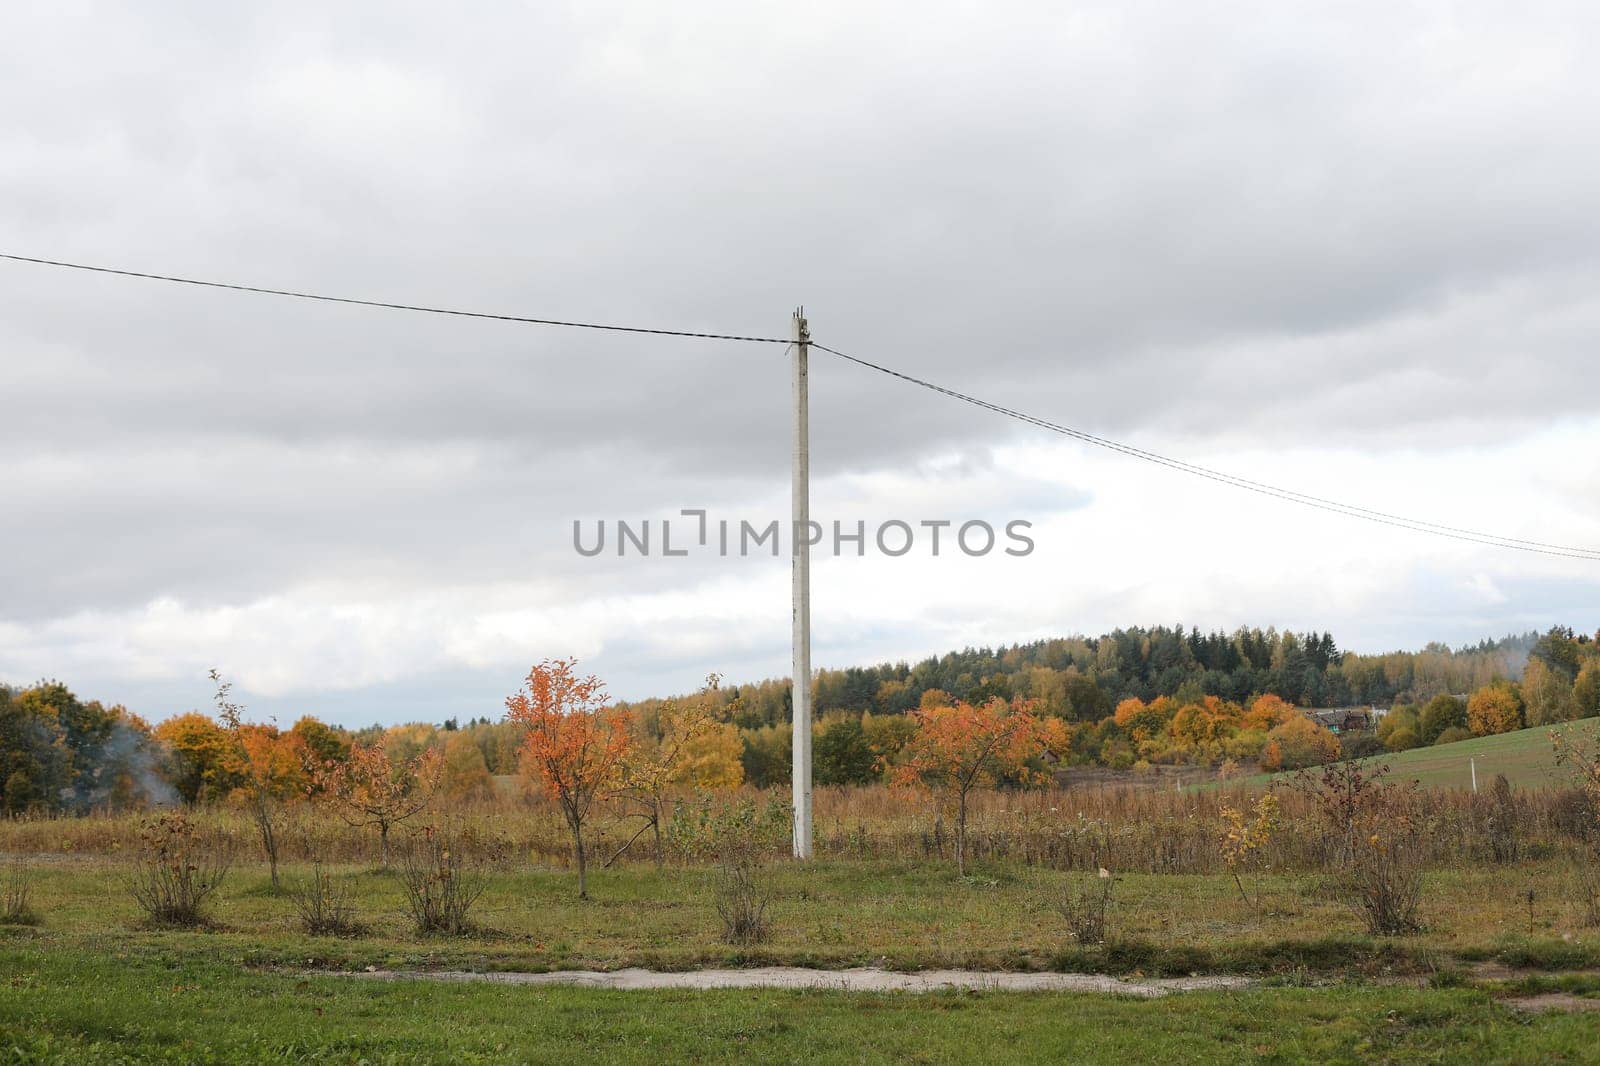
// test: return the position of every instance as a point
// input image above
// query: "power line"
(1305, 499)
(1350, 510)
(394, 306)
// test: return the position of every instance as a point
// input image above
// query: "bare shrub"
(324, 905)
(1585, 867)
(1573, 816)
(1383, 880)
(1502, 822)
(1376, 842)
(741, 900)
(1344, 795)
(444, 871)
(739, 838)
(178, 868)
(1385, 885)
(16, 896)
(1084, 908)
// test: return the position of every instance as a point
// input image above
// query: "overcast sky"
(1354, 252)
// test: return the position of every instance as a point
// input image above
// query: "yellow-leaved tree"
(466, 777)
(694, 748)
(1495, 708)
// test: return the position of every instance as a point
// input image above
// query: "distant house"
(1346, 719)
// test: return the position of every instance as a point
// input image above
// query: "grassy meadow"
(1503, 914)
(840, 913)
(84, 1006)
(94, 982)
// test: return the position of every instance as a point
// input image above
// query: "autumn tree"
(573, 742)
(1586, 689)
(1298, 742)
(1547, 693)
(1202, 725)
(200, 754)
(466, 777)
(128, 774)
(1244, 836)
(714, 759)
(1140, 720)
(35, 761)
(374, 787)
(58, 752)
(767, 755)
(694, 748)
(961, 747)
(1267, 712)
(1495, 708)
(269, 767)
(887, 736)
(323, 744)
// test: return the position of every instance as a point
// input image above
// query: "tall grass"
(16, 895)
(1126, 830)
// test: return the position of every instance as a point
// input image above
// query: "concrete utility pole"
(801, 548)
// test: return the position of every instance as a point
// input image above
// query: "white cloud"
(1349, 250)
(1152, 547)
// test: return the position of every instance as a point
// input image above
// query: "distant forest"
(1131, 699)
(1082, 679)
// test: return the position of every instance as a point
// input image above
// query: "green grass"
(1524, 756)
(92, 984)
(834, 913)
(82, 1006)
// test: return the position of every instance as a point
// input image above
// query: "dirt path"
(856, 980)
(1564, 1002)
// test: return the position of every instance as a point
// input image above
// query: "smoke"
(1516, 660)
(141, 764)
(124, 770)
(1514, 653)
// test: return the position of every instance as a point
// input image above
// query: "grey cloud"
(1373, 228)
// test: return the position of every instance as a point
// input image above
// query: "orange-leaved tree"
(1267, 712)
(572, 742)
(373, 787)
(958, 748)
(1297, 743)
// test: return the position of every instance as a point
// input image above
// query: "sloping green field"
(1525, 757)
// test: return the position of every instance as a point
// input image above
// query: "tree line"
(1128, 699)
(1084, 678)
